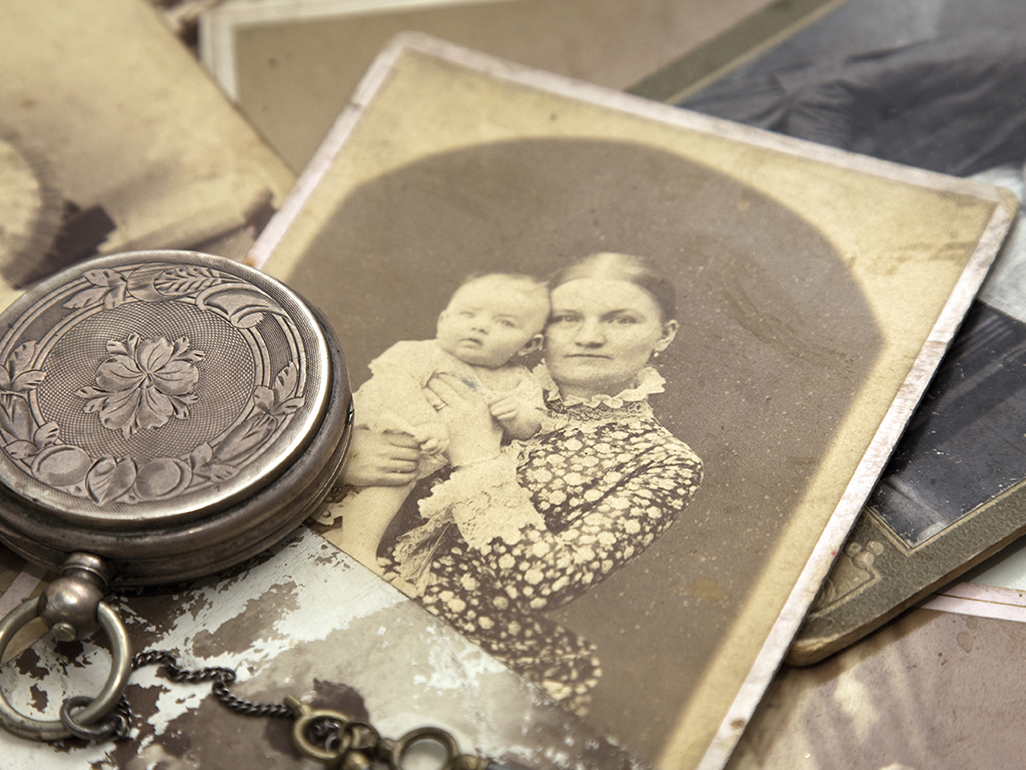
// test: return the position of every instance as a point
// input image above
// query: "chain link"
(118, 725)
(219, 677)
(327, 736)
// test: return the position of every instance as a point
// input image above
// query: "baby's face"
(487, 322)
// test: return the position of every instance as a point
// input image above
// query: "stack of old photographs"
(626, 373)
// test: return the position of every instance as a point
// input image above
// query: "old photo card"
(626, 374)
(112, 138)
(936, 85)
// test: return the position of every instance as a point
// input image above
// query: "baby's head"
(493, 317)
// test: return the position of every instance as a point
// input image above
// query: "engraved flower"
(144, 383)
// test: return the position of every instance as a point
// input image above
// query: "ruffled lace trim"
(483, 500)
(649, 381)
(629, 408)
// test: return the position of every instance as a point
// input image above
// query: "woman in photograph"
(602, 478)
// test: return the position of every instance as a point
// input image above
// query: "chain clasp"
(333, 739)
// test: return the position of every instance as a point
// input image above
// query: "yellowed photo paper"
(112, 138)
(624, 374)
(291, 65)
(950, 494)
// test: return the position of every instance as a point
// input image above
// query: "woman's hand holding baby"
(473, 434)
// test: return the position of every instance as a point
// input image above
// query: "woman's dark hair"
(623, 267)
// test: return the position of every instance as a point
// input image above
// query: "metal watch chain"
(324, 735)
(72, 607)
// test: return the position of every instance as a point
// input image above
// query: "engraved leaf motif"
(285, 385)
(244, 307)
(200, 460)
(245, 319)
(27, 380)
(285, 382)
(279, 401)
(100, 277)
(86, 298)
(16, 376)
(200, 456)
(108, 288)
(263, 398)
(46, 435)
(108, 479)
(16, 419)
(186, 280)
(22, 357)
(140, 283)
(218, 472)
(290, 405)
(244, 438)
(22, 450)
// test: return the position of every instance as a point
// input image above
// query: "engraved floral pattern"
(140, 386)
(144, 383)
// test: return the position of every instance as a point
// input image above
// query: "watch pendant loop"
(104, 702)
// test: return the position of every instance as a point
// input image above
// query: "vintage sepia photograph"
(624, 374)
(934, 85)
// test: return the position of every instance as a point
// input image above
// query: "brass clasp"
(335, 740)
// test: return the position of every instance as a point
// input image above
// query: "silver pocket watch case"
(172, 413)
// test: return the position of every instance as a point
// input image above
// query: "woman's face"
(601, 333)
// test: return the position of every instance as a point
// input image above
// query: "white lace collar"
(648, 381)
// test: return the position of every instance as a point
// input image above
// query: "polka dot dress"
(607, 480)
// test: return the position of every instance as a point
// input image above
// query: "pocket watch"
(163, 415)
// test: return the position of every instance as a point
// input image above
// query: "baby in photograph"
(490, 320)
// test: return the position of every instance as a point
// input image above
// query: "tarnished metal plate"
(153, 393)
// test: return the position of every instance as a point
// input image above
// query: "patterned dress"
(603, 480)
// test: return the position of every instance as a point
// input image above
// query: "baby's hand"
(432, 446)
(431, 442)
(504, 407)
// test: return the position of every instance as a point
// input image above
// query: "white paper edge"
(857, 492)
(896, 417)
(983, 601)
